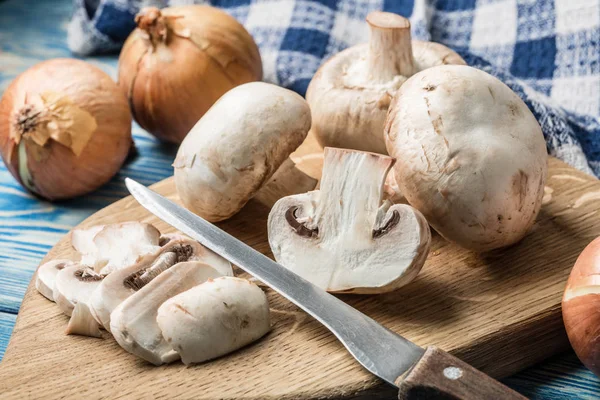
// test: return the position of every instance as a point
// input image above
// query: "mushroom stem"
(351, 205)
(390, 48)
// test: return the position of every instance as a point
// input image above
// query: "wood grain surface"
(499, 312)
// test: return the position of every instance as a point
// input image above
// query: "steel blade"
(381, 351)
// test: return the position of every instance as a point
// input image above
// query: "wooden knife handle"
(439, 375)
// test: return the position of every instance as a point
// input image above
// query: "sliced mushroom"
(46, 275)
(74, 284)
(237, 146)
(341, 237)
(214, 318)
(82, 323)
(121, 284)
(133, 322)
(114, 246)
(350, 94)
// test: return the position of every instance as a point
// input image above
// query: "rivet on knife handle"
(439, 375)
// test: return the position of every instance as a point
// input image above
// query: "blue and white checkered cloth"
(547, 51)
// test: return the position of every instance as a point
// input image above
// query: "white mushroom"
(214, 318)
(341, 237)
(114, 246)
(237, 146)
(350, 94)
(46, 275)
(121, 284)
(74, 284)
(133, 322)
(470, 155)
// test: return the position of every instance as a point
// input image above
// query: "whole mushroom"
(237, 146)
(350, 94)
(343, 237)
(470, 155)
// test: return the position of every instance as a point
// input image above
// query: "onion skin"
(581, 307)
(179, 61)
(56, 171)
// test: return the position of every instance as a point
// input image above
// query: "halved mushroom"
(74, 284)
(350, 94)
(46, 275)
(237, 146)
(121, 284)
(341, 237)
(133, 322)
(114, 246)
(214, 318)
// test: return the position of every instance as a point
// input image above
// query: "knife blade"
(384, 353)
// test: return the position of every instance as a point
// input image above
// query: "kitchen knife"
(418, 373)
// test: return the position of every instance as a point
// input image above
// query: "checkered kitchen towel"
(547, 51)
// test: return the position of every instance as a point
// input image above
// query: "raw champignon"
(341, 237)
(237, 146)
(121, 284)
(114, 246)
(470, 155)
(74, 284)
(214, 318)
(46, 276)
(350, 94)
(133, 322)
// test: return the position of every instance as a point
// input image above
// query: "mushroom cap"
(133, 323)
(214, 318)
(341, 237)
(470, 155)
(113, 291)
(46, 275)
(347, 110)
(236, 147)
(74, 284)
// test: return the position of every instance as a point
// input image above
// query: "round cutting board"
(499, 312)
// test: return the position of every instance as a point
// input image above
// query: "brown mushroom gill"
(304, 231)
(299, 227)
(87, 275)
(175, 255)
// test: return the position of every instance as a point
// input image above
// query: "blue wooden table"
(34, 30)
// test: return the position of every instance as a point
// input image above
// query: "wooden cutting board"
(499, 312)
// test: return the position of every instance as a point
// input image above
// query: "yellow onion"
(179, 61)
(65, 128)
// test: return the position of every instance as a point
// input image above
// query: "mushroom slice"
(82, 240)
(46, 275)
(74, 284)
(214, 318)
(133, 322)
(341, 237)
(82, 323)
(121, 284)
(114, 246)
